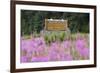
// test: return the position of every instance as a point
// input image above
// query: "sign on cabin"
(56, 24)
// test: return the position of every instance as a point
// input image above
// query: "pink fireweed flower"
(54, 46)
(84, 52)
(24, 59)
(23, 44)
(66, 44)
(67, 57)
(40, 59)
(53, 55)
(80, 47)
(80, 43)
(39, 41)
(41, 48)
(31, 46)
(27, 45)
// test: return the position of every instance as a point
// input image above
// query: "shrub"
(62, 36)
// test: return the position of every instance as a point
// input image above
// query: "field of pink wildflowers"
(35, 49)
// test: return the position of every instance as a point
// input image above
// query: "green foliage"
(35, 34)
(62, 36)
(46, 37)
(26, 37)
(55, 36)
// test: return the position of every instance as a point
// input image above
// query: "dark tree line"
(34, 20)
